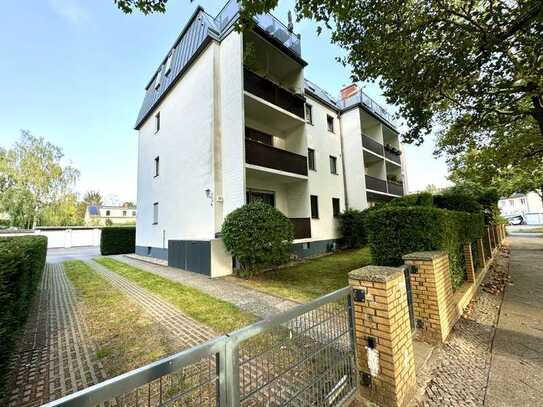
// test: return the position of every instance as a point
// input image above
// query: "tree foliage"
(257, 235)
(32, 180)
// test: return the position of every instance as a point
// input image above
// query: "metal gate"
(409, 290)
(302, 357)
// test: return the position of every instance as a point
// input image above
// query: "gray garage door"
(191, 255)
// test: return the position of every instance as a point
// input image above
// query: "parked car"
(516, 220)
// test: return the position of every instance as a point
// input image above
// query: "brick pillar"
(481, 254)
(435, 311)
(470, 266)
(383, 335)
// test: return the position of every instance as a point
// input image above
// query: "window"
(258, 136)
(124, 213)
(108, 213)
(522, 201)
(311, 159)
(155, 213)
(157, 166)
(511, 202)
(157, 122)
(169, 63)
(330, 122)
(314, 206)
(264, 196)
(335, 207)
(309, 113)
(133, 213)
(157, 79)
(333, 165)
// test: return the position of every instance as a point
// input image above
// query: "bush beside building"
(118, 240)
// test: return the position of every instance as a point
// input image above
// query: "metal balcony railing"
(271, 157)
(302, 227)
(376, 184)
(372, 145)
(269, 91)
(395, 188)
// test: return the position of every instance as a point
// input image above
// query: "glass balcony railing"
(373, 106)
(266, 22)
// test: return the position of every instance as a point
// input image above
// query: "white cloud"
(71, 10)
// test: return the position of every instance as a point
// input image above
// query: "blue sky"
(74, 71)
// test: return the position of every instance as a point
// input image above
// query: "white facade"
(101, 215)
(527, 205)
(229, 126)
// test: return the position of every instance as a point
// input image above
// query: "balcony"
(372, 145)
(376, 184)
(272, 93)
(393, 154)
(302, 228)
(271, 157)
(395, 188)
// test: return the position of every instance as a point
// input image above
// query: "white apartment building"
(229, 117)
(97, 215)
(529, 206)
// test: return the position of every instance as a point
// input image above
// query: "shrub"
(419, 199)
(118, 240)
(457, 201)
(257, 235)
(396, 231)
(353, 227)
(22, 259)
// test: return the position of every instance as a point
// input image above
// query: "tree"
(32, 178)
(447, 61)
(93, 197)
(64, 212)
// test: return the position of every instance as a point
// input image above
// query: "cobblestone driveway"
(56, 356)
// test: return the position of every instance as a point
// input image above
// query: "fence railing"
(304, 356)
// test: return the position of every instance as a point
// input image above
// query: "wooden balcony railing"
(376, 184)
(269, 91)
(302, 228)
(271, 157)
(372, 145)
(395, 188)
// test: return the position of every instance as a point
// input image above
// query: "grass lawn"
(220, 315)
(311, 279)
(126, 338)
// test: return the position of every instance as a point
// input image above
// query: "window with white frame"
(157, 166)
(157, 79)
(157, 122)
(168, 67)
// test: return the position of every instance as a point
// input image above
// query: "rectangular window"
(169, 63)
(133, 213)
(157, 122)
(314, 206)
(311, 159)
(155, 213)
(333, 165)
(309, 113)
(124, 213)
(157, 79)
(264, 196)
(258, 136)
(330, 123)
(335, 207)
(157, 166)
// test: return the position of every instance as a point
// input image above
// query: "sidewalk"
(516, 373)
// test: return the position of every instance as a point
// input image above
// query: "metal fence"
(302, 357)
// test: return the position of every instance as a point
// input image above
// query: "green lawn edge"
(221, 316)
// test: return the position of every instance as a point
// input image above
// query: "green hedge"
(396, 231)
(118, 240)
(353, 227)
(22, 259)
(419, 199)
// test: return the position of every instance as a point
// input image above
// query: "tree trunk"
(538, 112)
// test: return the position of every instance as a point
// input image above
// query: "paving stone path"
(185, 331)
(255, 302)
(461, 367)
(56, 356)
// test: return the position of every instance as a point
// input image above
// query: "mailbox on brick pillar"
(383, 335)
(434, 308)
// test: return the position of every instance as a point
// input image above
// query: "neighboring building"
(529, 206)
(229, 117)
(96, 215)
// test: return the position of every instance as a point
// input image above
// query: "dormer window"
(157, 79)
(169, 63)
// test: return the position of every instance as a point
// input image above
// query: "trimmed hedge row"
(118, 240)
(353, 227)
(396, 231)
(22, 259)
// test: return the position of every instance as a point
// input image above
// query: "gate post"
(383, 335)
(470, 264)
(435, 311)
